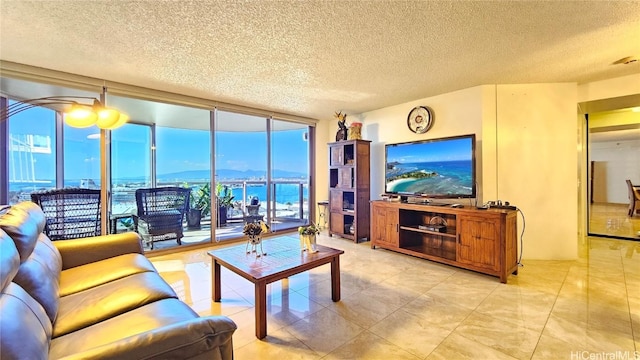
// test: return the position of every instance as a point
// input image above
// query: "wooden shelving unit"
(349, 188)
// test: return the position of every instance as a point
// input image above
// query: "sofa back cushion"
(24, 325)
(39, 276)
(23, 222)
(40, 261)
(25, 328)
(9, 260)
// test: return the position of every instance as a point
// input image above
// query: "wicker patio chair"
(71, 212)
(160, 213)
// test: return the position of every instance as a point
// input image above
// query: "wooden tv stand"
(478, 240)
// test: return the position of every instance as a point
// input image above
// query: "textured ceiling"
(312, 58)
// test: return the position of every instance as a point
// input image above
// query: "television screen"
(438, 168)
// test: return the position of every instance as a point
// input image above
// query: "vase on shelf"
(308, 243)
(355, 131)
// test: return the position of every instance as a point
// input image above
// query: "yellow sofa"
(93, 298)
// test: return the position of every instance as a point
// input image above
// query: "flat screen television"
(435, 168)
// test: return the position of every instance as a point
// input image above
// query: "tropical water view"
(287, 192)
(438, 177)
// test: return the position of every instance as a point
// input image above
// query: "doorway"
(613, 150)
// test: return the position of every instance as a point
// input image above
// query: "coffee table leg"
(215, 281)
(335, 278)
(261, 309)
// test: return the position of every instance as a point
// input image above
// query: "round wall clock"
(420, 119)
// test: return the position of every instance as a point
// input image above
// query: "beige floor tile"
(461, 348)
(589, 337)
(324, 331)
(279, 344)
(421, 281)
(592, 314)
(550, 347)
(227, 306)
(363, 310)
(438, 311)
(410, 332)
(468, 295)
(507, 337)
(371, 347)
(518, 306)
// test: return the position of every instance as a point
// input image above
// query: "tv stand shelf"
(425, 231)
(478, 240)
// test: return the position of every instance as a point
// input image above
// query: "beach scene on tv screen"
(439, 168)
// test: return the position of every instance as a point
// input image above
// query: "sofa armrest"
(209, 335)
(76, 252)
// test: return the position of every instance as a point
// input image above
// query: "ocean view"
(286, 194)
(451, 177)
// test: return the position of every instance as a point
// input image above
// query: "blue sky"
(176, 149)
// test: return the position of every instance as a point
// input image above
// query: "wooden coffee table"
(283, 259)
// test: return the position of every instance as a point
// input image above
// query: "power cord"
(521, 238)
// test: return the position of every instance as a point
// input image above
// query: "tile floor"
(396, 306)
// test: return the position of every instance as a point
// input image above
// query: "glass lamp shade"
(107, 118)
(80, 117)
(121, 121)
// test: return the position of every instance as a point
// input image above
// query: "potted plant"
(199, 206)
(224, 197)
(308, 237)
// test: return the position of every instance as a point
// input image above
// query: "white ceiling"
(312, 58)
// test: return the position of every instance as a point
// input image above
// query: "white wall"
(615, 161)
(610, 88)
(456, 113)
(537, 164)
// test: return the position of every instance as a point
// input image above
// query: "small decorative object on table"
(355, 131)
(254, 230)
(342, 131)
(308, 238)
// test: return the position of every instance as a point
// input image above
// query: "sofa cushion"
(165, 329)
(24, 325)
(39, 275)
(105, 301)
(84, 277)
(23, 222)
(9, 259)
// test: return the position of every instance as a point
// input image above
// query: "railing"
(290, 199)
(288, 204)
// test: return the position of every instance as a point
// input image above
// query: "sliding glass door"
(264, 164)
(289, 199)
(164, 145)
(240, 172)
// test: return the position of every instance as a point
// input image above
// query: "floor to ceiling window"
(289, 174)
(31, 152)
(265, 162)
(164, 145)
(81, 157)
(241, 170)
(130, 166)
(42, 151)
